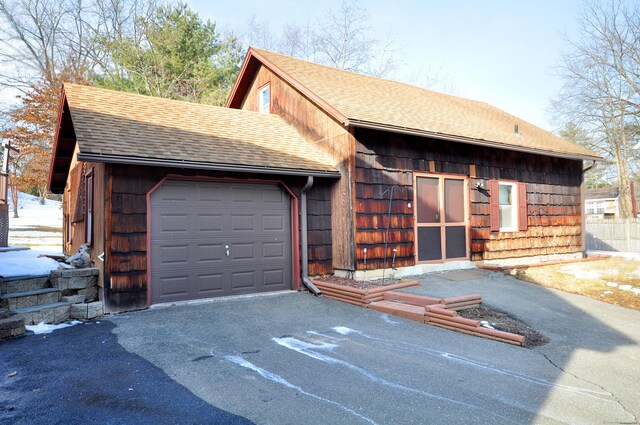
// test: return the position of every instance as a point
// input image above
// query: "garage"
(212, 239)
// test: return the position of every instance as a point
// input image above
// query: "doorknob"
(226, 247)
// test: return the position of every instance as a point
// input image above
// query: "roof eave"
(200, 165)
(462, 139)
(63, 99)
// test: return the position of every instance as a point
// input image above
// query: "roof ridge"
(149, 98)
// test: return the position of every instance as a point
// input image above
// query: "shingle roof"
(364, 100)
(114, 124)
(610, 192)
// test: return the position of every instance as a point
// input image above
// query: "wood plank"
(398, 309)
(412, 299)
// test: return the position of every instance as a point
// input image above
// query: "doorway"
(441, 224)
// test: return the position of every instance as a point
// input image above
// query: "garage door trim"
(295, 230)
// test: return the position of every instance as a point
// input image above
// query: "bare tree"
(30, 39)
(343, 39)
(601, 93)
(39, 37)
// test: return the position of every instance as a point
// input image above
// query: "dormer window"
(264, 100)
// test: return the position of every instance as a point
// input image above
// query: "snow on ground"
(37, 226)
(628, 255)
(577, 271)
(27, 262)
(45, 328)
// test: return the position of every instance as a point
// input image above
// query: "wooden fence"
(621, 235)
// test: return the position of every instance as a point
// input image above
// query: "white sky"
(499, 52)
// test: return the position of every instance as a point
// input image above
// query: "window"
(88, 222)
(595, 207)
(508, 206)
(264, 100)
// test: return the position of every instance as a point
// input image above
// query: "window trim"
(68, 224)
(262, 108)
(519, 201)
(88, 209)
(513, 205)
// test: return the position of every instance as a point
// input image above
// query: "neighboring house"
(320, 172)
(603, 202)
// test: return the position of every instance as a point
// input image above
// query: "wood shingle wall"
(385, 159)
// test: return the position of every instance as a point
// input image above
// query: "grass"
(600, 279)
(37, 229)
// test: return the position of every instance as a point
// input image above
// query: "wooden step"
(413, 299)
(407, 311)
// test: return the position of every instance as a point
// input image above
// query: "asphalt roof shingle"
(112, 123)
(365, 99)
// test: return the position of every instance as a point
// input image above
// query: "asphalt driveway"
(292, 358)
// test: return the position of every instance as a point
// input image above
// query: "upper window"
(508, 206)
(595, 207)
(264, 99)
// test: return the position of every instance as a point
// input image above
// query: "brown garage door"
(211, 239)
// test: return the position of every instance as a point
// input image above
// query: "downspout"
(303, 239)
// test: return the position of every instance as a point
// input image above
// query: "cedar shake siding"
(384, 159)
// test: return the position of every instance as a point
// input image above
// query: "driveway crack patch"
(613, 396)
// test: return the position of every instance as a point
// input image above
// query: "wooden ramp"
(441, 312)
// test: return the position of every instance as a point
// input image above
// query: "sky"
(504, 53)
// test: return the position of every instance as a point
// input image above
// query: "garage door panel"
(273, 250)
(273, 223)
(174, 254)
(174, 223)
(192, 223)
(210, 193)
(174, 285)
(243, 279)
(243, 251)
(209, 223)
(243, 223)
(176, 192)
(210, 284)
(242, 194)
(209, 254)
(273, 195)
(273, 277)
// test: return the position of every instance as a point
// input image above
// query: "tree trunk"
(14, 198)
(625, 203)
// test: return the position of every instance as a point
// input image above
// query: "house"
(309, 170)
(602, 202)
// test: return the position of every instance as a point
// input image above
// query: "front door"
(440, 218)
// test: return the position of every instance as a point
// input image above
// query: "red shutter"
(494, 205)
(522, 207)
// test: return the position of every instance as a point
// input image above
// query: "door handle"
(226, 247)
